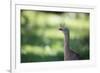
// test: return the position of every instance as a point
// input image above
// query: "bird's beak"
(60, 28)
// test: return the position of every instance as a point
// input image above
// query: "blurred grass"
(42, 41)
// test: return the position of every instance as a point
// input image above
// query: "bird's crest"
(63, 28)
(62, 25)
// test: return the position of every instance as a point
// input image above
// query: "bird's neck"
(66, 41)
(66, 46)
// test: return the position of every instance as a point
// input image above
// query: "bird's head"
(63, 28)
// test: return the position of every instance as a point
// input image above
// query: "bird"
(69, 54)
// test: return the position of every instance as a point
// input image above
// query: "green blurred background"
(41, 41)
